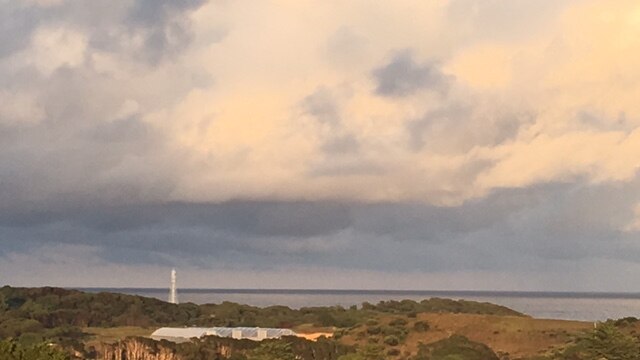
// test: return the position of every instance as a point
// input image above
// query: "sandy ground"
(314, 336)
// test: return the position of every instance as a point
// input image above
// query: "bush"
(372, 322)
(272, 350)
(338, 334)
(374, 330)
(12, 350)
(604, 342)
(393, 352)
(391, 340)
(371, 352)
(421, 326)
(627, 321)
(455, 347)
(398, 322)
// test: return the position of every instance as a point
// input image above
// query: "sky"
(363, 144)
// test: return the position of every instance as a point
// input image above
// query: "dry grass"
(520, 337)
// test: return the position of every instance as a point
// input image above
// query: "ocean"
(545, 305)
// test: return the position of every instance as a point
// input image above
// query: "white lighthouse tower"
(173, 290)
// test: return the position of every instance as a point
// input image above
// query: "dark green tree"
(272, 350)
(12, 350)
(606, 341)
(456, 347)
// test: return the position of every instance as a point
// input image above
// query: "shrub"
(391, 340)
(455, 347)
(12, 350)
(393, 352)
(373, 340)
(272, 350)
(421, 326)
(604, 342)
(373, 330)
(398, 322)
(627, 321)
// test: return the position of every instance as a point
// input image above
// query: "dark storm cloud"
(286, 219)
(242, 231)
(510, 230)
(404, 76)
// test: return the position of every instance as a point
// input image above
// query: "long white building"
(251, 333)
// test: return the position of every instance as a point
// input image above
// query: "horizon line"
(364, 291)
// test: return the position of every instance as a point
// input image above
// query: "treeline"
(55, 307)
(215, 348)
(60, 312)
(455, 347)
(438, 305)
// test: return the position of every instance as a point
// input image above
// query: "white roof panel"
(180, 332)
(247, 332)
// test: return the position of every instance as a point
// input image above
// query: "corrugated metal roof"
(250, 332)
(237, 332)
(186, 333)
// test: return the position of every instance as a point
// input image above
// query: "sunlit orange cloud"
(247, 134)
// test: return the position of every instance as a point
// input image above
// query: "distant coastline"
(444, 293)
(583, 306)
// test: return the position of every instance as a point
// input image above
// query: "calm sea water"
(569, 306)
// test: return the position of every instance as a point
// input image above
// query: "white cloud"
(53, 48)
(19, 109)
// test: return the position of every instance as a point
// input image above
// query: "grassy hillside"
(520, 337)
(92, 326)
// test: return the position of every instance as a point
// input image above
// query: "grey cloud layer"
(508, 231)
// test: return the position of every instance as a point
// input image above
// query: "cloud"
(601, 157)
(148, 31)
(18, 20)
(341, 144)
(402, 76)
(217, 134)
(555, 227)
(164, 25)
(322, 106)
(503, 20)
